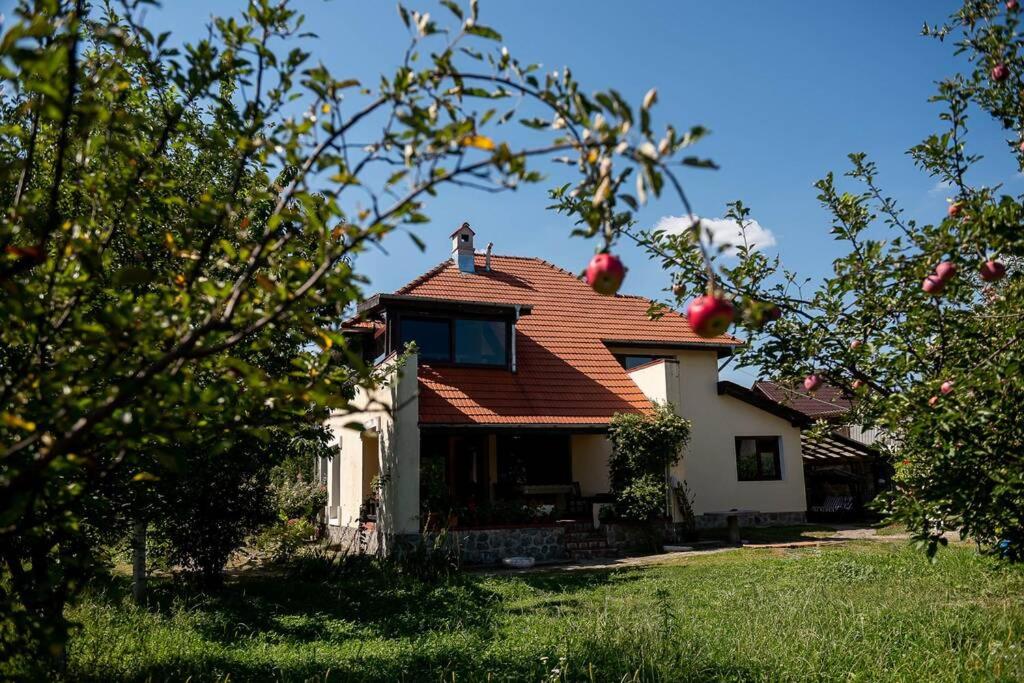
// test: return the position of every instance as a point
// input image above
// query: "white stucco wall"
(389, 416)
(709, 461)
(590, 462)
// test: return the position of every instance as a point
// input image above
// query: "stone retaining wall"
(626, 538)
(717, 521)
(490, 546)
(354, 541)
(546, 543)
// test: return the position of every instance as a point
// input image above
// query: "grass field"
(862, 611)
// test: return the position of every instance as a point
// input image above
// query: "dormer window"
(481, 342)
(433, 337)
(461, 341)
(448, 331)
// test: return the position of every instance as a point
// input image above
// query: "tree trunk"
(139, 559)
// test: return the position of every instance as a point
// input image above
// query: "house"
(519, 368)
(843, 468)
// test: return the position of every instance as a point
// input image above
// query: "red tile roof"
(565, 373)
(826, 402)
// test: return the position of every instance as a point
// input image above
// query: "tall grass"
(864, 612)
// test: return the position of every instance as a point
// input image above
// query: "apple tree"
(168, 209)
(920, 320)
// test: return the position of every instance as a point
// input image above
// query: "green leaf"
(130, 276)
(484, 32)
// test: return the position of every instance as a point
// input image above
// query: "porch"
(477, 479)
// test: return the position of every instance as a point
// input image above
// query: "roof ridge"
(423, 277)
(810, 396)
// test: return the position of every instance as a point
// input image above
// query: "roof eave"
(580, 428)
(378, 302)
(727, 388)
(724, 348)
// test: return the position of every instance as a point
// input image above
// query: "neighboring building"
(843, 470)
(520, 367)
(827, 403)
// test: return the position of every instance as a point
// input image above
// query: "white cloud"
(941, 187)
(724, 231)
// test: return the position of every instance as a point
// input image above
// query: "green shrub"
(297, 498)
(281, 542)
(642, 499)
(643, 448)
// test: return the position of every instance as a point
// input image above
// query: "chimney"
(462, 248)
(487, 260)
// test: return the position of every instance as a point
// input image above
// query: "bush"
(282, 541)
(299, 499)
(643, 448)
(642, 499)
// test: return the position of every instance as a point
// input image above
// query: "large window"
(476, 341)
(758, 458)
(480, 342)
(433, 337)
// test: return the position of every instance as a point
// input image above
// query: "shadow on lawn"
(278, 607)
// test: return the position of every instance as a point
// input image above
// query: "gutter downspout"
(514, 321)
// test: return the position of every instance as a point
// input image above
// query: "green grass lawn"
(867, 611)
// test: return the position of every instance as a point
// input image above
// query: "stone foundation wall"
(718, 521)
(547, 543)
(352, 540)
(626, 538)
(490, 546)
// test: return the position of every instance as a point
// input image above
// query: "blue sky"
(788, 89)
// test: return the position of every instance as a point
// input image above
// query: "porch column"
(400, 455)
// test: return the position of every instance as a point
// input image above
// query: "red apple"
(856, 344)
(1011, 5)
(812, 382)
(605, 273)
(945, 270)
(954, 209)
(1021, 146)
(857, 384)
(947, 387)
(933, 285)
(933, 401)
(773, 312)
(992, 270)
(1000, 72)
(710, 315)
(679, 289)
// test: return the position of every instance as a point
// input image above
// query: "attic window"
(463, 341)
(432, 336)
